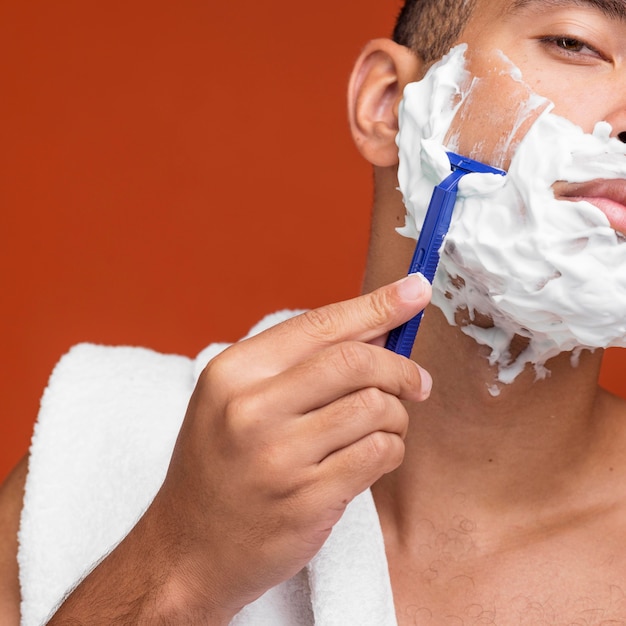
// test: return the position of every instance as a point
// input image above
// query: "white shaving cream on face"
(552, 271)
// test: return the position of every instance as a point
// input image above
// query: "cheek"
(579, 95)
(584, 109)
(495, 113)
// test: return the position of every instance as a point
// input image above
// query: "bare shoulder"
(11, 498)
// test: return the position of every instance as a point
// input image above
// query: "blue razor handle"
(436, 224)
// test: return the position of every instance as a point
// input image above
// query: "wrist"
(183, 591)
(143, 582)
(189, 586)
(177, 602)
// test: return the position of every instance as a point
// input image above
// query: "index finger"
(363, 318)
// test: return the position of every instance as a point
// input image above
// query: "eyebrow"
(614, 9)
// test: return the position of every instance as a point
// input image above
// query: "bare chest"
(561, 581)
(466, 601)
(599, 605)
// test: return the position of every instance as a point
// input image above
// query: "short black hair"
(430, 27)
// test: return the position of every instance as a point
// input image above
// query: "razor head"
(470, 166)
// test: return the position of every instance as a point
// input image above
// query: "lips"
(608, 195)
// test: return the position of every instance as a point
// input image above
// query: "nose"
(617, 120)
(616, 117)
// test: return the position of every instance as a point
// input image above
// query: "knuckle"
(378, 445)
(373, 400)
(319, 323)
(396, 455)
(356, 357)
(220, 372)
(403, 421)
(242, 413)
(265, 454)
(380, 307)
(409, 375)
(275, 466)
(385, 450)
(399, 420)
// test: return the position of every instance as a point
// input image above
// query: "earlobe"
(376, 85)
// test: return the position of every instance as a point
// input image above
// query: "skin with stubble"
(506, 510)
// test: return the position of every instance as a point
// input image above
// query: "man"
(502, 509)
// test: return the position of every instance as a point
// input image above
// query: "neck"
(518, 459)
(530, 441)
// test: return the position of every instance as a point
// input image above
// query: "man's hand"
(282, 431)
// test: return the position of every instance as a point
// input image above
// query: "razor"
(436, 224)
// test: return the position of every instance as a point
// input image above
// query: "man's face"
(528, 251)
(572, 53)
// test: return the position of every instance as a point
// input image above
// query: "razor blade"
(436, 224)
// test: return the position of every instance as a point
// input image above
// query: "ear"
(378, 79)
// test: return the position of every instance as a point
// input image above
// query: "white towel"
(107, 426)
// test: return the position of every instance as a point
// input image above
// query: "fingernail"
(412, 287)
(427, 381)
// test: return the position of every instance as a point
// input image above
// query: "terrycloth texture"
(107, 426)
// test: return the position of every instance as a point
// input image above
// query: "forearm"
(140, 583)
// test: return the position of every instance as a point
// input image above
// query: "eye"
(569, 43)
(572, 47)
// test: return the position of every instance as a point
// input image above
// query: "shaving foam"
(551, 271)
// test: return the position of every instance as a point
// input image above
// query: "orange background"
(170, 172)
